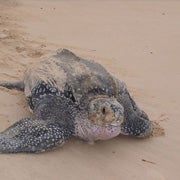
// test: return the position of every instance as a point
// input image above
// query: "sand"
(138, 42)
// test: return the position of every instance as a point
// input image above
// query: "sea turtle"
(72, 96)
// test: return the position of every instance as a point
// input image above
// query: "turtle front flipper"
(33, 135)
(136, 126)
(136, 121)
(19, 85)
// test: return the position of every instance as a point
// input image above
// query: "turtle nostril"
(103, 110)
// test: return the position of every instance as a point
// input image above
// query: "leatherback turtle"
(72, 96)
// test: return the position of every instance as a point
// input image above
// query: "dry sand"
(138, 42)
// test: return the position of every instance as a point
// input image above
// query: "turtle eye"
(103, 110)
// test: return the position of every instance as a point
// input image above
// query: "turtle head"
(106, 111)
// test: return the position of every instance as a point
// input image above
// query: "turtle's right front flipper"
(33, 135)
(19, 85)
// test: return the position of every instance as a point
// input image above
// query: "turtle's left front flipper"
(33, 135)
(136, 122)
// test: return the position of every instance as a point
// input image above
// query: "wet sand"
(138, 42)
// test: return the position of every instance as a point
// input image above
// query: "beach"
(138, 42)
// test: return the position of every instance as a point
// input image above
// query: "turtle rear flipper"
(19, 85)
(33, 135)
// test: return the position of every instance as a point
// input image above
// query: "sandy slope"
(138, 42)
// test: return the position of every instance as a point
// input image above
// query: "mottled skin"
(71, 96)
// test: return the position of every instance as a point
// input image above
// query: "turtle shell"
(67, 73)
